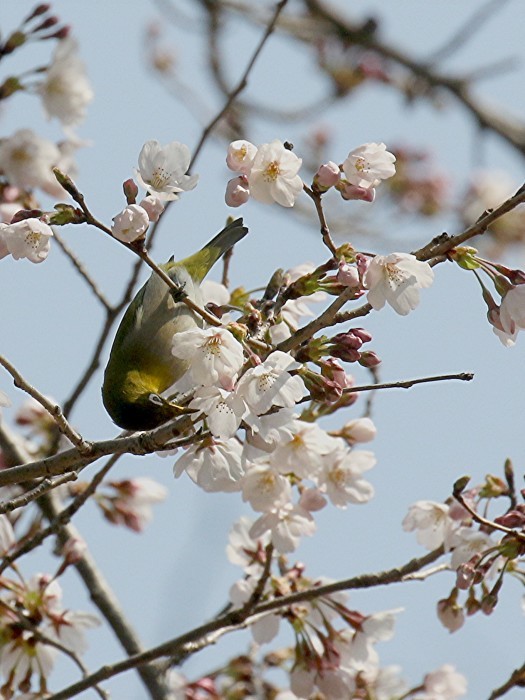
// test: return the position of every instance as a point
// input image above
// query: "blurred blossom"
(445, 683)
(432, 523)
(66, 90)
(131, 502)
(26, 161)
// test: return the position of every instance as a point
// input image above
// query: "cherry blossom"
(215, 356)
(327, 175)
(65, 90)
(245, 551)
(468, 542)
(396, 279)
(153, 206)
(287, 525)
(368, 164)
(162, 169)
(432, 522)
(28, 238)
(271, 384)
(341, 478)
(130, 224)
(273, 175)
(303, 454)
(445, 683)
(358, 430)
(237, 191)
(214, 465)
(240, 156)
(223, 409)
(511, 315)
(264, 488)
(26, 160)
(7, 535)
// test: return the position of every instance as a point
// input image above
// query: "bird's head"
(145, 412)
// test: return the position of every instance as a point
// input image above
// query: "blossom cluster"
(335, 652)
(33, 622)
(478, 557)
(280, 451)
(27, 160)
(269, 173)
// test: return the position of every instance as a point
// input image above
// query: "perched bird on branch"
(141, 364)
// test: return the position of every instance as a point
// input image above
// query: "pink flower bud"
(237, 191)
(362, 263)
(348, 275)
(465, 576)
(130, 191)
(327, 176)
(331, 369)
(154, 206)
(363, 335)
(512, 519)
(358, 430)
(369, 359)
(349, 191)
(450, 615)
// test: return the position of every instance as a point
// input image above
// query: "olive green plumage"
(141, 365)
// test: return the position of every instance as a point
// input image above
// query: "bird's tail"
(199, 264)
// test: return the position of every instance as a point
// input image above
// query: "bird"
(141, 365)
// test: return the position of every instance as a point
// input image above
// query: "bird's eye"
(156, 399)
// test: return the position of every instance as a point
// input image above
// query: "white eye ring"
(156, 399)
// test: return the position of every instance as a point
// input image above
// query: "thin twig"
(316, 197)
(81, 269)
(29, 496)
(409, 383)
(99, 590)
(516, 680)
(517, 534)
(72, 460)
(185, 644)
(243, 82)
(467, 30)
(53, 409)
(63, 517)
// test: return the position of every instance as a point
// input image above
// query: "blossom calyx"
(66, 214)
(465, 257)
(238, 330)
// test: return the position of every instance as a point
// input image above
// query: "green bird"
(141, 365)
